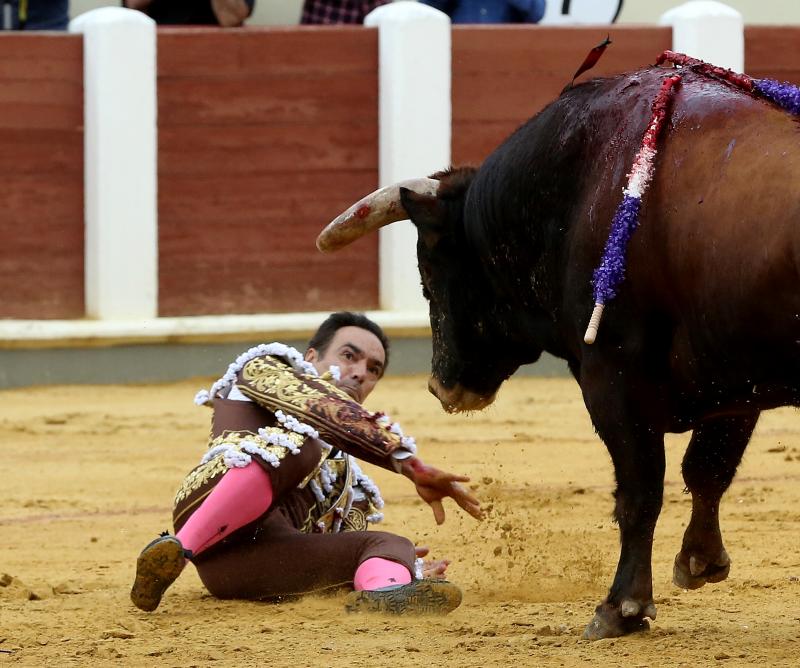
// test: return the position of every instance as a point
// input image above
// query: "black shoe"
(420, 597)
(157, 567)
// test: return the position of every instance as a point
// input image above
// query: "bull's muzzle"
(458, 399)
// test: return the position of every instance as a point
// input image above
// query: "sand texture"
(89, 474)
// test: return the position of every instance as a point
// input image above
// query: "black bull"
(704, 333)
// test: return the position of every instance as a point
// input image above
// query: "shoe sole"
(157, 567)
(421, 597)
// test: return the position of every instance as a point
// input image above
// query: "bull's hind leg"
(709, 465)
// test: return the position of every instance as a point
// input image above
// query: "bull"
(704, 332)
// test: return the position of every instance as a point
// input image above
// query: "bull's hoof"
(613, 622)
(693, 571)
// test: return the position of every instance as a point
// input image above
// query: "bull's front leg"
(709, 465)
(637, 452)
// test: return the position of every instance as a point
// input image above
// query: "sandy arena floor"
(89, 474)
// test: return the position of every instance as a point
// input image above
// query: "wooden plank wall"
(41, 176)
(772, 52)
(264, 136)
(503, 74)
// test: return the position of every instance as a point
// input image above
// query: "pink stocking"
(243, 495)
(377, 573)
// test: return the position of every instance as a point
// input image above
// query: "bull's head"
(471, 357)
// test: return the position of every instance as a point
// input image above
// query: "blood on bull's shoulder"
(700, 328)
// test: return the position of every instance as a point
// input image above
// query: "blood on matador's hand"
(433, 485)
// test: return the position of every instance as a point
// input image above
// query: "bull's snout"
(458, 399)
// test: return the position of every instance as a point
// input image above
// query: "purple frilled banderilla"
(611, 272)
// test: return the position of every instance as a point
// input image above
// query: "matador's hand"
(431, 568)
(434, 485)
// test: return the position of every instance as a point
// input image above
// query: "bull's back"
(719, 239)
(717, 253)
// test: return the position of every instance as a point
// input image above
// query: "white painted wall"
(414, 123)
(580, 12)
(765, 12)
(120, 168)
(708, 30)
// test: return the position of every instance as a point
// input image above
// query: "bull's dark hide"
(703, 334)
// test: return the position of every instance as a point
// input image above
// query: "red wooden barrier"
(264, 135)
(41, 176)
(771, 52)
(503, 75)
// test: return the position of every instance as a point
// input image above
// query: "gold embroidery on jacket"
(338, 503)
(339, 420)
(273, 379)
(315, 471)
(356, 520)
(200, 476)
(216, 465)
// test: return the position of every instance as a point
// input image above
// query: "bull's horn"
(370, 213)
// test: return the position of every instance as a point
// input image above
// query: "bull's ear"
(427, 213)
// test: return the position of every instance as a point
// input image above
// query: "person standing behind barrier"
(331, 12)
(490, 11)
(35, 14)
(225, 13)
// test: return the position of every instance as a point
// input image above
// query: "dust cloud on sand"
(89, 474)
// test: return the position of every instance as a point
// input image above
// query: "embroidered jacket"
(294, 404)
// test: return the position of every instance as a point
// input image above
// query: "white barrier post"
(415, 127)
(708, 30)
(120, 170)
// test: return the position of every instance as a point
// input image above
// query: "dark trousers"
(271, 557)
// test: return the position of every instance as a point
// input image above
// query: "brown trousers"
(272, 558)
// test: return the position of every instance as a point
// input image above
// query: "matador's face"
(360, 356)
